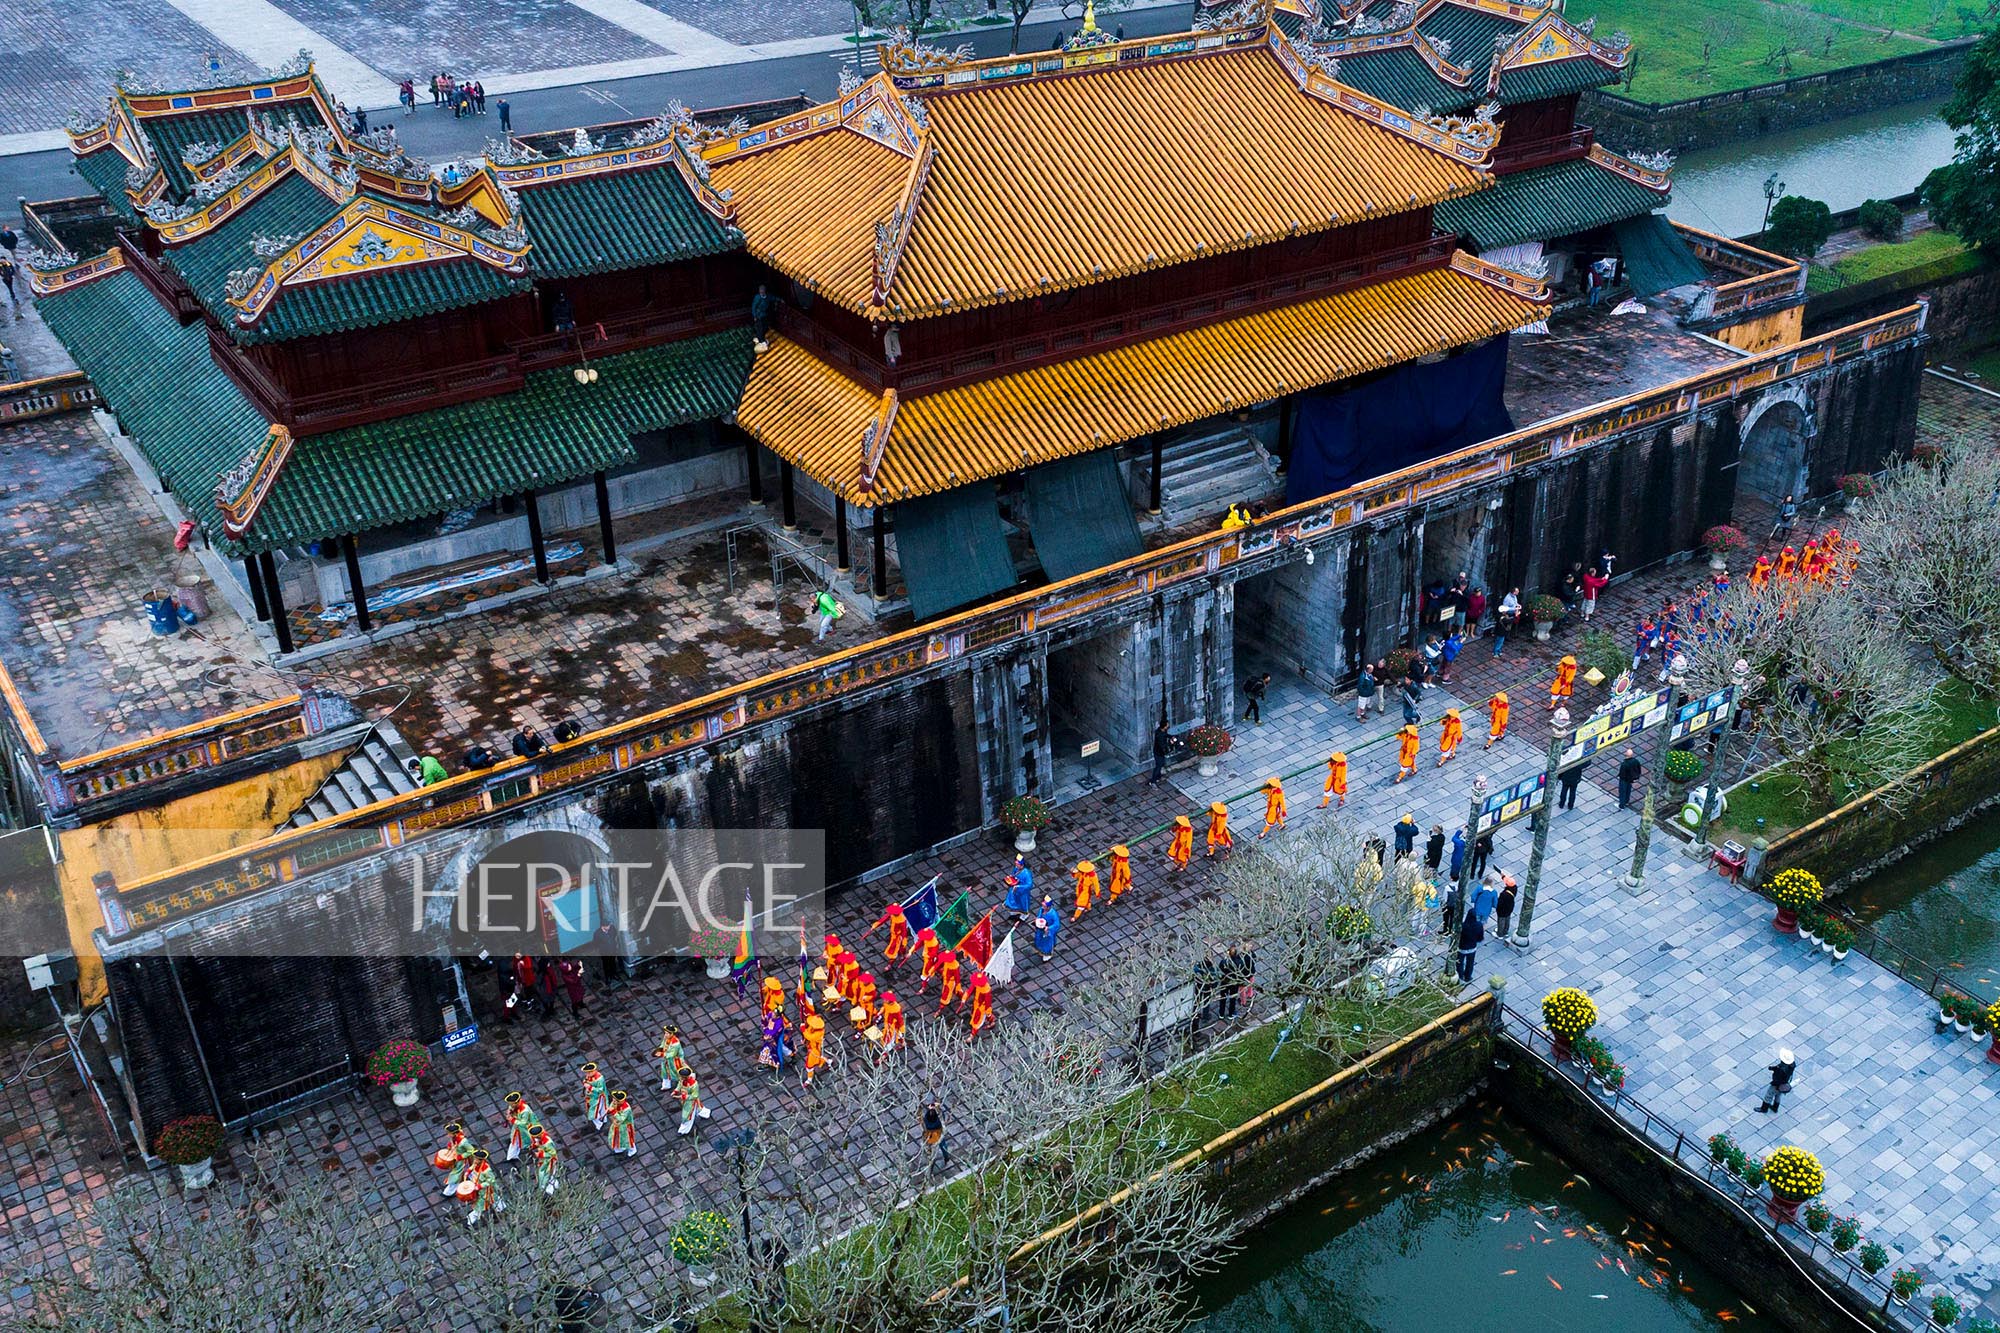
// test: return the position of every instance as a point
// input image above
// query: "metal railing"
(1693, 1157)
(1931, 978)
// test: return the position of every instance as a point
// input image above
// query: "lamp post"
(1739, 675)
(1559, 733)
(1635, 881)
(1774, 190)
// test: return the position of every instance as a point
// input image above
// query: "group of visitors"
(466, 97)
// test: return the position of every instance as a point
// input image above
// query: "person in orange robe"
(949, 969)
(893, 1022)
(1218, 829)
(815, 1038)
(831, 955)
(1452, 736)
(1496, 715)
(1760, 573)
(1121, 873)
(806, 1005)
(1085, 876)
(1822, 566)
(928, 951)
(1407, 743)
(1275, 808)
(861, 995)
(1829, 542)
(899, 933)
(1788, 563)
(849, 967)
(1336, 779)
(982, 1001)
(1564, 684)
(1181, 849)
(773, 993)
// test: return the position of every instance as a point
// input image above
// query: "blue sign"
(460, 1038)
(1620, 722)
(1701, 714)
(1505, 806)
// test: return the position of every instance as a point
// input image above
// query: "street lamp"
(1774, 190)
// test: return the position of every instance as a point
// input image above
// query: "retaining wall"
(1745, 113)
(1861, 837)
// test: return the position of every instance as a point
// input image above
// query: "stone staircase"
(379, 769)
(1202, 475)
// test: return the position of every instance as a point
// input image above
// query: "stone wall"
(1866, 834)
(1292, 614)
(1105, 688)
(1259, 1167)
(1965, 305)
(1745, 113)
(1683, 1205)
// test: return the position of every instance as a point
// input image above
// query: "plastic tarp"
(1402, 418)
(952, 549)
(1656, 257)
(1080, 515)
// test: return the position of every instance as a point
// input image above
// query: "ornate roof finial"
(1089, 34)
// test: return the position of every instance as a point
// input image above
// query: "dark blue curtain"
(1411, 414)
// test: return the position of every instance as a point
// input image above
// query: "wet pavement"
(1592, 355)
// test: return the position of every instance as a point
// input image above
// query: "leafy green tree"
(1880, 219)
(1964, 196)
(1799, 226)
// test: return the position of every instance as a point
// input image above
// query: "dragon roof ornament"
(508, 153)
(300, 63)
(1241, 14)
(49, 261)
(910, 55)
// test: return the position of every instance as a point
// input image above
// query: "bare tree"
(1930, 558)
(273, 1251)
(1833, 685)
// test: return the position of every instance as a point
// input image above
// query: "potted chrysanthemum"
(1794, 891)
(1027, 816)
(191, 1143)
(1794, 1176)
(1569, 1014)
(698, 1241)
(398, 1064)
(1208, 743)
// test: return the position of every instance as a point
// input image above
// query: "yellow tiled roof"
(1043, 184)
(811, 414)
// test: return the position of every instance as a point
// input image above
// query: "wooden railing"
(472, 797)
(1769, 279)
(1023, 351)
(1541, 152)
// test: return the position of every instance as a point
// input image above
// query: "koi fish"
(1509, 1272)
(1595, 1297)
(1538, 1222)
(1552, 1281)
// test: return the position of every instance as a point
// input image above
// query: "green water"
(1479, 1226)
(1943, 904)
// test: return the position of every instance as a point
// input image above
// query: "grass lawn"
(1742, 34)
(1938, 251)
(1782, 806)
(1982, 366)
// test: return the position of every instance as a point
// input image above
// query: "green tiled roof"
(552, 431)
(293, 207)
(619, 220)
(170, 134)
(155, 374)
(193, 424)
(1555, 78)
(1544, 202)
(1399, 76)
(1470, 32)
(105, 171)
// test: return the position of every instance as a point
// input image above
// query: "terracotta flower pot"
(1783, 1210)
(1561, 1045)
(1786, 922)
(1993, 1051)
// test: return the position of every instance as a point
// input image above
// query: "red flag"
(978, 942)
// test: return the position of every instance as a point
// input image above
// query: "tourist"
(1434, 848)
(1788, 515)
(828, 608)
(1406, 831)
(1604, 562)
(1485, 898)
(1432, 660)
(1253, 690)
(570, 971)
(1504, 620)
(406, 93)
(427, 770)
(10, 240)
(1503, 907)
(1630, 770)
(1566, 786)
(361, 120)
(1593, 584)
(1781, 1079)
(1412, 696)
(933, 1124)
(1470, 933)
(1449, 903)
(479, 96)
(1448, 651)
(1457, 600)
(437, 89)
(1475, 611)
(1364, 693)
(506, 110)
(1163, 747)
(1482, 849)
(528, 743)
(1239, 976)
(1457, 854)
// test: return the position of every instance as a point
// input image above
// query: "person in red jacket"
(1593, 584)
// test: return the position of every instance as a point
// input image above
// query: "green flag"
(955, 922)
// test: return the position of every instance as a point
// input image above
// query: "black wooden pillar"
(840, 533)
(1159, 442)
(881, 584)
(355, 588)
(754, 463)
(1286, 406)
(276, 597)
(604, 518)
(785, 492)
(540, 547)
(256, 587)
